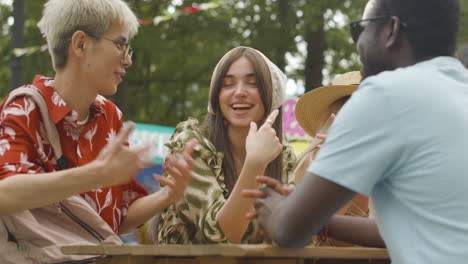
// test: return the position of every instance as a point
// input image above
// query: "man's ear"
(78, 43)
(394, 28)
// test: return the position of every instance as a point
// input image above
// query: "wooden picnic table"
(229, 254)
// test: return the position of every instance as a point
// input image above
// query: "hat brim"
(312, 105)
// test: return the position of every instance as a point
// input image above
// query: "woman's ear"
(78, 43)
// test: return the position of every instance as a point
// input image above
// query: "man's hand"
(180, 170)
(117, 163)
(323, 137)
(266, 199)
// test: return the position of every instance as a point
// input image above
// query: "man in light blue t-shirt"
(402, 139)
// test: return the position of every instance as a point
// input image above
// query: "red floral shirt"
(24, 146)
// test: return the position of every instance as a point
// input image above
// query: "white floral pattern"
(57, 100)
(49, 82)
(107, 202)
(101, 100)
(111, 135)
(24, 161)
(78, 152)
(17, 156)
(8, 131)
(90, 135)
(117, 215)
(119, 114)
(16, 168)
(19, 110)
(4, 146)
(70, 126)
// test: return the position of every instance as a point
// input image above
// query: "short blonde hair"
(61, 18)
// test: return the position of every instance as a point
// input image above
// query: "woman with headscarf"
(240, 138)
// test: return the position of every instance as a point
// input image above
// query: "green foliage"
(174, 60)
(5, 47)
(463, 37)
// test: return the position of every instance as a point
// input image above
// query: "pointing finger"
(270, 120)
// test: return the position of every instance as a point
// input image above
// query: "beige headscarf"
(278, 80)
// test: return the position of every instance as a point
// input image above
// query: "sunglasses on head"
(356, 27)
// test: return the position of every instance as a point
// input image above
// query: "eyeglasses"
(356, 27)
(121, 45)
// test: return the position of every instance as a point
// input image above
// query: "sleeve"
(194, 219)
(23, 144)
(289, 163)
(134, 190)
(363, 142)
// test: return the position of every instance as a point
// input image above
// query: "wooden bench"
(229, 254)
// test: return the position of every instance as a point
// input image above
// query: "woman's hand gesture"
(263, 146)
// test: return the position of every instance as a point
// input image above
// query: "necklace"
(81, 123)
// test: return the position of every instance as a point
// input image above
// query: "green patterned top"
(193, 220)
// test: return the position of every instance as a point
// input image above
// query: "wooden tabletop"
(232, 252)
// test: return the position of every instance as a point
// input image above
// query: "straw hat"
(312, 105)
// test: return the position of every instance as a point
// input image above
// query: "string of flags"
(19, 52)
(171, 15)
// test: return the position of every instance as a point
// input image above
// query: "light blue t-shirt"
(402, 139)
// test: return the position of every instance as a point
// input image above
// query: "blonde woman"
(315, 112)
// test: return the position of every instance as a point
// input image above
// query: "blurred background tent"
(156, 136)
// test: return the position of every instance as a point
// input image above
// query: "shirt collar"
(58, 109)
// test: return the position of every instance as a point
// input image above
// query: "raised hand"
(267, 199)
(180, 170)
(271, 183)
(117, 162)
(323, 137)
(262, 145)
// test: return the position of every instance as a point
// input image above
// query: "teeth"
(242, 105)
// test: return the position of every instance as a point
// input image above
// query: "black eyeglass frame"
(356, 29)
(127, 50)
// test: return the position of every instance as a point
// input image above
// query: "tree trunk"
(464, 56)
(121, 97)
(17, 63)
(282, 48)
(315, 61)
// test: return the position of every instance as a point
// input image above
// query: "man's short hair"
(61, 18)
(432, 25)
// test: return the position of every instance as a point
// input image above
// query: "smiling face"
(239, 98)
(106, 64)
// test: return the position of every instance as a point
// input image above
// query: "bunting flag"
(19, 52)
(187, 9)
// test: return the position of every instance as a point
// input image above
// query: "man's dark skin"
(292, 219)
